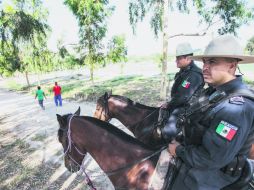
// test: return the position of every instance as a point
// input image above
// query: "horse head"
(73, 157)
(102, 107)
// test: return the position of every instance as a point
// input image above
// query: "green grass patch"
(145, 90)
(13, 85)
(39, 137)
(21, 144)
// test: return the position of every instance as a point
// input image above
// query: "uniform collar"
(232, 85)
(188, 67)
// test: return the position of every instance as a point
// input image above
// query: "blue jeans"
(41, 104)
(58, 99)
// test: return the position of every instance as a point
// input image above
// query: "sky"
(64, 25)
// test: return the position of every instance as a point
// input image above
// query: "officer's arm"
(216, 151)
(186, 89)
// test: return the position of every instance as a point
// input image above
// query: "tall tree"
(232, 13)
(92, 19)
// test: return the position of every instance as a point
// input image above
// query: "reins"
(127, 166)
(70, 142)
(140, 122)
(108, 173)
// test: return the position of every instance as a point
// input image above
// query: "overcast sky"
(64, 25)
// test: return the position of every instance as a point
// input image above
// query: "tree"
(92, 19)
(117, 50)
(232, 14)
(250, 46)
(22, 23)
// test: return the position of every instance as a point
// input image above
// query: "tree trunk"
(164, 78)
(121, 67)
(91, 65)
(27, 79)
(91, 72)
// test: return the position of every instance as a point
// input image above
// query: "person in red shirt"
(57, 94)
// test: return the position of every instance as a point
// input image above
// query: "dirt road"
(30, 154)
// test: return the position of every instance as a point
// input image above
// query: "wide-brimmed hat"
(183, 49)
(224, 46)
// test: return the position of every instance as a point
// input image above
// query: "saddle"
(246, 180)
(163, 117)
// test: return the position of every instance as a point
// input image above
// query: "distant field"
(139, 80)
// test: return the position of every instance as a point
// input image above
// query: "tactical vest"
(199, 112)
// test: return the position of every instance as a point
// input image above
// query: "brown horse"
(128, 163)
(134, 116)
(138, 118)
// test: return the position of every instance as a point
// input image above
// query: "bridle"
(136, 125)
(105, 110)
(68, 151)
(109, 173)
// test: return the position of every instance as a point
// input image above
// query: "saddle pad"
(158, 177)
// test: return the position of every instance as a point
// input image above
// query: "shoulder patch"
(226, 130)
(185, 84)
(237, 100)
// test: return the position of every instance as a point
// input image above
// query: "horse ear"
(78, 111)
(60, 119)
(106, 96)
(110, 93)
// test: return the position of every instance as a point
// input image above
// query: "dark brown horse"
(138, 118)
(128, 163)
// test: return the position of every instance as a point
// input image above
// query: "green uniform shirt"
(39, 94)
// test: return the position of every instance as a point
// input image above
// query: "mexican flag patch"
(186, 84)
(226, 130)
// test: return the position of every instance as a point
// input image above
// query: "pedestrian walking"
(57, 94)
(40, 95)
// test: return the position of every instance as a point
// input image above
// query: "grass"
(141, 89)
(12, 85)
(39, 137)
(15, 174)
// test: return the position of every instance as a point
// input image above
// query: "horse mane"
(114, 130)
(130, 102)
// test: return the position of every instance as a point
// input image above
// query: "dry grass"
(16, 175)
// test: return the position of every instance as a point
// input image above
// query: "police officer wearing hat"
(187, 81)
(214, 158)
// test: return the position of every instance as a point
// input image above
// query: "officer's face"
(182, 61)
(217, 71)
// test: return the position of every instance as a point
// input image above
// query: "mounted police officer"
(187, 81)
(218, 135)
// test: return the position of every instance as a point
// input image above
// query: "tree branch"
(196, 34)
(190, 34)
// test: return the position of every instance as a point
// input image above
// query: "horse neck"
(109, 150)
(129, 115)
(111, 153)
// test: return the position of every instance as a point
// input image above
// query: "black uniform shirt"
(228, 126)
(187, 82)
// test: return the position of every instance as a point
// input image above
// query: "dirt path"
(30, 154)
